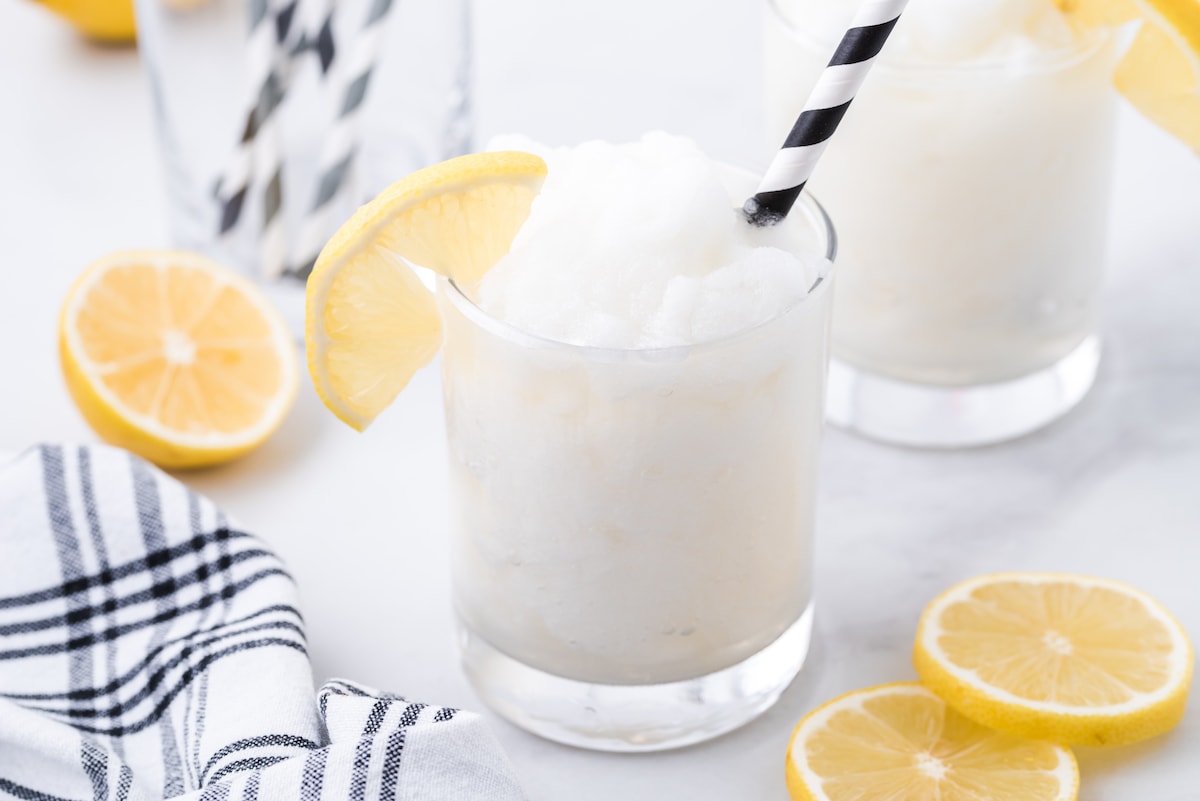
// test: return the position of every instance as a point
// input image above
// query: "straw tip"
(759, 215)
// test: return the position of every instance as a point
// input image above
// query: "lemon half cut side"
(176, 358)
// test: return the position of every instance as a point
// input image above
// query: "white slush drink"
(634, 402)
(969, 180)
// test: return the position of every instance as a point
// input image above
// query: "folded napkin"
(151, 648)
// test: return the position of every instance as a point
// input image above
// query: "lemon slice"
(900, 742)
(175, 358)
(1071, 659)
(371, 322)
(1160, 72)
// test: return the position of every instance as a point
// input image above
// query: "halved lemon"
(1071, 659)
(1160, 72)
(371, 323)
(175, 358)
(109, 21)
(900, 742)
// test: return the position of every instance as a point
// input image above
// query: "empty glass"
(206, 69)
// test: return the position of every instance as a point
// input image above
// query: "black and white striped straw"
(264, 93)
(839, 83)
(280, 32)
(351, 81)
(267, 156)
(313, 32)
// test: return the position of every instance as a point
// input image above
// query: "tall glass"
(972, 202)
(416, 111)
(632, 529)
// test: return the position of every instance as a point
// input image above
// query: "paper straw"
(311, 31)
(280, 31)
(342, 142)
(315, 32)
(839, 83)
(265, 93)
(268, 146)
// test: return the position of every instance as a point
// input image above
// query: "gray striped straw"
(312, 32)
(267, 158)
(276, 39)
(341, 145)
(839, 83)
(265, 94)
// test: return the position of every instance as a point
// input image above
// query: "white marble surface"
(1112, 490)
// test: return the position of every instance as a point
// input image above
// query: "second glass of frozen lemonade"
(634, 400)
(970, 183)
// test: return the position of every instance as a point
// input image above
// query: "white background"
(1112, 490)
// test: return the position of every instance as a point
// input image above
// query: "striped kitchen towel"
(151, 648)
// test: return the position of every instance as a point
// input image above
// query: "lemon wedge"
(175, 358)
(1160, 72)
(900, 742)
(371, 323)
(1099, 13)
(1070, 659)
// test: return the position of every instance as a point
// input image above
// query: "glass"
(632, 529)
(972, 205)
(416, 111)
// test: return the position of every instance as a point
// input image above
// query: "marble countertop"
(1111, 490)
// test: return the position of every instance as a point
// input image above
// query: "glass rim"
(1055, 59)
(814, 211)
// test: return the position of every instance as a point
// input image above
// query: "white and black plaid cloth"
(150, 648)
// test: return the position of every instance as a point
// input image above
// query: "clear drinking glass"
(972, 202)
(200, 64)
(632, 529)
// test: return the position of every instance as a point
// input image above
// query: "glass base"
(927, 416)
(651, 717)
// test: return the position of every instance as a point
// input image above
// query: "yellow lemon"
(102, 20)
(900, 742)
(1071, 659)
(371, 323)
(175, 358)
(1160, 73)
